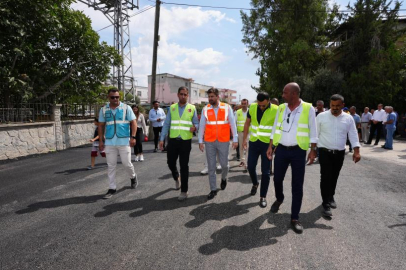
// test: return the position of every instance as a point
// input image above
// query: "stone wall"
(18, 140)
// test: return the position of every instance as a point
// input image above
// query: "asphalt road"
(52, 216)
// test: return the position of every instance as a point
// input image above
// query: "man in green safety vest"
(293, 132)
(181, 121)
(260, 119)
(240, 117)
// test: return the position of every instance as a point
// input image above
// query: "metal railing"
(80, 111)
(25, 113)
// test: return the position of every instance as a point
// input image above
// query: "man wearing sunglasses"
(260, 119)
(114, 123)
(292, 133)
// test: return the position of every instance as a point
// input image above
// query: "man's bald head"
(293, 87)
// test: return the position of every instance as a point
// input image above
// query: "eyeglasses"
(114, 97)
(287, 121)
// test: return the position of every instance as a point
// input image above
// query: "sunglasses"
(114, 97)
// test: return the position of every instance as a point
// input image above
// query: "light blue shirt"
(115, 140)
(391, 116)
(357, 119)
(231, 121)
(154, 115)
(167, 123)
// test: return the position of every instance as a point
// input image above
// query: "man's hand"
(161, 145)
(158, 120)
(201, 147)
(132, 142)
(91, 140)
(311, 157)
(245, 145)
(269, 152)
(235, 145)
(357, 156)
(193, 129)
(101, 145)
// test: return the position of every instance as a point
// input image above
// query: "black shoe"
(262, 202)
(367, 143)
(275, 207)
(155, 150)
(134, 182)
(271, 173)
(327, 210)
(296, 226)
(223, 184)
(109, 194)
(212, 194)
(375, 143)
(383, 146)
(333, 204)
(254, 190)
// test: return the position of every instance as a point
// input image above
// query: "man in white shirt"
(292, 133)
(157, 118)
(333, 126)
(366, 118)
(378, 118)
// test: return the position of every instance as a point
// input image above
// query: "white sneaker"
(182, 196)
(218, 167)
(142, 158)
(177, 184)
(205, 171)
(136, 158)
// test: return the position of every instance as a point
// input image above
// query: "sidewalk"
(397, 155)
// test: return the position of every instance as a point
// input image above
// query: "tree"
(372, 64)
(48, 49)
(288, 37)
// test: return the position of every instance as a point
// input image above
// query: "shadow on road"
(72, 171)
(249, 236)
(242, 178)
(219, 211)
(150, 204)
(402, 156)
(398, 225)
(169, 175)
(64, 202)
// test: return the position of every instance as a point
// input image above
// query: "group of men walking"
(282, 134)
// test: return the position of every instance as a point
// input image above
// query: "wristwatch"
(134, 137)
(314, 148)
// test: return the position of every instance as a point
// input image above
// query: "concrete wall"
(18, 140)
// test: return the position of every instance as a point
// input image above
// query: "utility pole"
(155, 52)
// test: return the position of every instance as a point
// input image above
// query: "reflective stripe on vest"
(241, 120)
(217, 128)
(303, 130)
(262, 131)
(180, 125)
(116, 124)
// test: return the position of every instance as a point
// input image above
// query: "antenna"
(116, 12)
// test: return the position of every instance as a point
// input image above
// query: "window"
(195, 92)
(139, 93)
(186, 84)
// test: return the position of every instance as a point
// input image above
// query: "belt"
(289, 147)
(331, 151)
(364, 122)
(177, 138)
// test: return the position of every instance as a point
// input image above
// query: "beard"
(213, 102)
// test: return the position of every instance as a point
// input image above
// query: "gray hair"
(336, 97)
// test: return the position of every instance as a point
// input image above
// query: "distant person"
(157, 117)
(366, 118)
(95, 146)
(241, 117)
(390, 128)
(378, 117)
(319, 107)
(333, 127)
(275, 101)
(115, 119)
(357, 122)
(216, 124)
(141, 133)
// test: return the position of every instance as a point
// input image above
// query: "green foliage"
(288, 38)
(48, 49)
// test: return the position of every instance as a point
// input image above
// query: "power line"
(139, 12)
(241, 8)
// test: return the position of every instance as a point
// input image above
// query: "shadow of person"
(64, 202)
(219, 211)
(398, 225)
(241, 178)
(150, 204)
(250, 235)
(72, 171)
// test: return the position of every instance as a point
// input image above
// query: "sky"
(200, 43)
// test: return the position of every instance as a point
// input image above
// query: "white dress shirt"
(333, 131)
(290, 129)
(379, 115)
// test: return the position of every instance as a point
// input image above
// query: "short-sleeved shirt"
(391, 116)
(357, 119)
(115, 140)
(260, 113)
